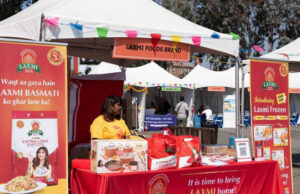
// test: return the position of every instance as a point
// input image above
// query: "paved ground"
(224, 135)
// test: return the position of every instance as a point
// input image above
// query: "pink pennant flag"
(196, 40)
(190, 85)
(286, 55)
(258, 49)
(140, 83)
(52, 21)
(131, 33)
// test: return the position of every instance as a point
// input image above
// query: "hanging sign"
(216, 89)
(142, 48)
(294, 90)
(33, 104)
(270, 115)
(170, 89)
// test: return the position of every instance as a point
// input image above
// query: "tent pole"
(237, 99)
(243, 102)
(42, 29)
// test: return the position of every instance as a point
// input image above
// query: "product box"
(109, 156)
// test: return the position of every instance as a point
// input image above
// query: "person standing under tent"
(182, 111)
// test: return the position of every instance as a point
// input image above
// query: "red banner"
(142, 48)
(246, 177)
(33, 104)
(270, 115)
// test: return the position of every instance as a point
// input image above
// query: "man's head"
(181, 98)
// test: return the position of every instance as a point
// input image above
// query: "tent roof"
(143, 16)
(202, 77)
(102, 68)
(289, 52)
(150, 75)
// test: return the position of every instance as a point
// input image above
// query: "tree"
(11, 7)
(269, 24)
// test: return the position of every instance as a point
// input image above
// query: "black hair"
(106, 111)
(181, 98)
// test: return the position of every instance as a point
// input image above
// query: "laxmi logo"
(28, 64)
(158, 184)
(269, 84)
(36, 131)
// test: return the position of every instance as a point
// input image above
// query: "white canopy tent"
(77, 22)
(289, 52)
(118, 16)
(102, 68)
(203, 77)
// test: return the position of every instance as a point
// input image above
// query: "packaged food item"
(162, 151)
(214, 149)
(35, 145)
(188, 151)
(118, 155)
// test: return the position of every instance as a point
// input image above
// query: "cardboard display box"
(114, 155)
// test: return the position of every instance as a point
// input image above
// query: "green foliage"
(11, 7)
(269, 24)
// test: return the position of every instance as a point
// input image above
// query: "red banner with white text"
(246, 177)
(270, 115)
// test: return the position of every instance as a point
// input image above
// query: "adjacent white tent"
(150, 75)
(203, 77)
(289, 52)
(118, 16)
(102, 68)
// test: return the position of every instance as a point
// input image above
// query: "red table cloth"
(246, 177)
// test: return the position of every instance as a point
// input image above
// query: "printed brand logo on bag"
(269, 84)
(158, 184)
(28, 62)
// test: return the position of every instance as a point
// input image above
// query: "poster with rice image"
(35, 145)
(33, 117)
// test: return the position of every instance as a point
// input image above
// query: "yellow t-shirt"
(116, 129)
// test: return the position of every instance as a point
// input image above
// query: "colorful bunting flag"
(196, 40)
(234, 36)
(131, 33)
(175, 41)
(258, 48)
(154, 40)
(76, 25)
(215, 35)
(287, 56)
(52, 21)
(140, 83)
(102, 32)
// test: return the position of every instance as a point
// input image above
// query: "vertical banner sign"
(33, 104)
(270, 115)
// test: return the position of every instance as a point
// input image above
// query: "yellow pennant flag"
(176, 40)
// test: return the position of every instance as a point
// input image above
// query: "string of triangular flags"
(102, 32)
(152, 84)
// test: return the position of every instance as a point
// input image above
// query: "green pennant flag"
(102, 32)
(234, 36)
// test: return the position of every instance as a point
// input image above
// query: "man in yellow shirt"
(109, 125)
